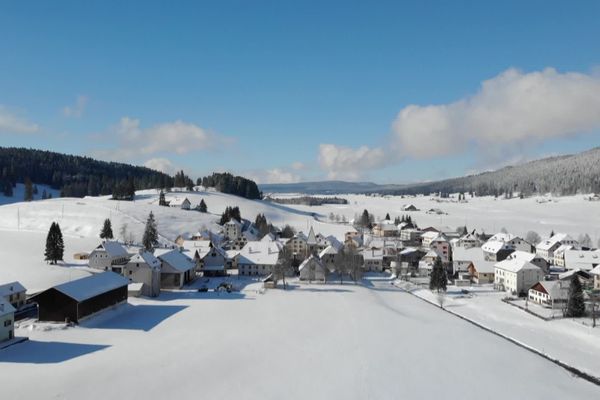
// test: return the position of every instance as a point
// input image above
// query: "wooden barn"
(75, 300)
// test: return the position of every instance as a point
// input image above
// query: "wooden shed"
(75, 300)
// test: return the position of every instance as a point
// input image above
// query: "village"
(557, 277)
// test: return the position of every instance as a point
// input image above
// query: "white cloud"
(298, 166)
(161, 164)
(11, 123)
(133, 142)
(347, 163)
(508, 111)
(274, 175)
(77, 109)
(511, 108)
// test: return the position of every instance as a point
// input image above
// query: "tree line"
(227, 183)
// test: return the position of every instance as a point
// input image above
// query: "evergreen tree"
(44, 194)
(161, 199)
(106, 232)
(387, 217)
(438, 279)
(54, 244)
(150, 238)
(202, 207)
(575, 303)
(287, 232)
(28, 196)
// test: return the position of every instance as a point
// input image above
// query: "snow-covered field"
(313, 341)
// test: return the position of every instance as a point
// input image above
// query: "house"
(14, 293)
(516, 275)
(530, 257)
(411, 235)
(469, 240)
(385, 228)
(596, 274)
(581, 259)
(144, 268)
(428, 237)
(327, 257)
(177, 269)
(442, 247)
(214, 262)
(297, 245)
(7, 320)
(472, 260)
(553, 294)
(81, 256)
(312, 269)
(559, 255)
(109, 256)
(373, 260)
(410, 257)
(180, 202)
(500, 245)
(585, 277)
(232, 229)
(409, 207)
(430, 257)
(81, 298)
(258, 258)
(547, 247)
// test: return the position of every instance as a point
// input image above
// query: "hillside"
(73, 176)
(560, 175)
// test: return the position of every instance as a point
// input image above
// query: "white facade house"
(410, 235)
(516, 276)
(14, 293)
(373, 260)
(553, 294)
(428, 237)
(180, 202)
(500, 245)
(530, 257)
(7, 320)
(385, 228)
(297, 245)
(558, 258)
(232, 229)
(258, 258)
(144, 268)
(312, 269)
(596, 274)
(547, 247)
(109, 256)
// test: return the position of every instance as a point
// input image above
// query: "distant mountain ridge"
(560, 175)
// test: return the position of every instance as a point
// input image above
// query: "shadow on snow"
(135, 317)
(35, 352)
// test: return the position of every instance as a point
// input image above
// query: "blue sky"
(395, 90)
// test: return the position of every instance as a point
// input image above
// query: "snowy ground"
(313, 341)
(564, 339)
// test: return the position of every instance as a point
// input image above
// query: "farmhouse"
(144, 268)
(551, 294)
(109, 256)
(214, 262)
(177, 268)
(258, 258)
(312, 269)
(78, 299)
(373, 260)
(585, 260)
(516, 276)
(180, 202)
(14, 293)
(529, 257)
(7, 320)
(472, 260)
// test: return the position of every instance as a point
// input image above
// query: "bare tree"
(585, 240)
(341, 264)
(282, 266)
(123, 232)
(533, 237)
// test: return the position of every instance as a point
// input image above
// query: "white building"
(312, 269)
(553, 294)
(585, 260)
(180, 202)
(499, 246)
(144, 268)
(547, 247)
(177, 269)
(109, 256)
(327, 257)
(14, 293)
(373, 260)
(258, 258)
(7, 320)
(516, 276)
(428, 237)
(232, 229)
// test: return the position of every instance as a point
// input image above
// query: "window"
(8, 322)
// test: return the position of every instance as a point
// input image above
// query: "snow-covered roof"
(5, 307)
(91, 286)
(596, 270)
(311, 239)
(175, 259)
(515, 265)
(372, 254)
(430, 235)
(556, 289)
(260, 253)
(493, 246)
(474, 255)
(333, 241)
(547, 244)
(146, 257)
(522, 255)
(308, 261)
(502, 237)
(233, 221)
(583, 259)
(11, 288)
(408, 250)
(328, 250)
(113, 248)
(269, 237)
(177, 201)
